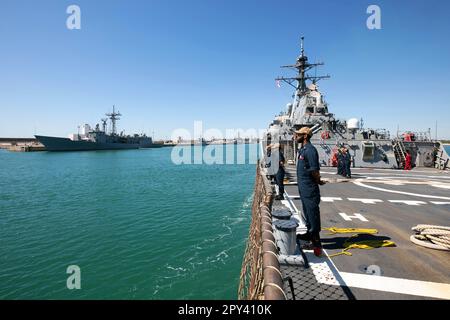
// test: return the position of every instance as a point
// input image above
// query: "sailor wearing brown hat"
(308, 181)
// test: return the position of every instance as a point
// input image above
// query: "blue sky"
(167, 63)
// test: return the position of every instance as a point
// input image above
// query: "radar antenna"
(104, 123)
(302, 66)
(114, 116)
(301, 43)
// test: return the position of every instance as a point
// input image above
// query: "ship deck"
(391, 201)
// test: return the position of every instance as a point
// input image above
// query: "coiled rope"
(432, 237)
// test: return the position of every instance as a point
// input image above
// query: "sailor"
(347, 163)
(279, 177)
(408, 159)
(308, 178)
(340, 165)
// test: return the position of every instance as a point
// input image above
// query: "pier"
(21, 144)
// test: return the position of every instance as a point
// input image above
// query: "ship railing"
(400, 152)
(442, 161)
(260, 277)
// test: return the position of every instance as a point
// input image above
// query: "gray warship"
(369, 148)
(98, 138)
(385, 230)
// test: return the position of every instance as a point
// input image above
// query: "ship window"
(368, 151)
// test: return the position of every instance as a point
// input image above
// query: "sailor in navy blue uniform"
(347, 163)
(279, 177)
(340, 162)
(308, 179)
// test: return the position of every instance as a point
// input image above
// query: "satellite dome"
(353, 124)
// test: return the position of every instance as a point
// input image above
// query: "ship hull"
(150, 145)
(65, 144)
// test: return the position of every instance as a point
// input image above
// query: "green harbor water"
(137, 225)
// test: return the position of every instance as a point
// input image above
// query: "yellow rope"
(335, 230)
(367, 244)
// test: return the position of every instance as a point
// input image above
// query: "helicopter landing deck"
(392, 202)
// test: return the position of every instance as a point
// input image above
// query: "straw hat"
(305, 130)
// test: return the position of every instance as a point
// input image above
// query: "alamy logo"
(374, 20)
(73, 22)
(74, 280)
(192, 149)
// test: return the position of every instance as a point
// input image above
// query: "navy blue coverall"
(279, 178)
(308, 161)
(347, 164)
(340, 165)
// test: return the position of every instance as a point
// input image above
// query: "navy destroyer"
(385, 230)
(369, 148)
(98, 138)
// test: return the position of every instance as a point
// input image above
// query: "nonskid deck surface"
(391, 201)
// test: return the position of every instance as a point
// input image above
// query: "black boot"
(279, 197)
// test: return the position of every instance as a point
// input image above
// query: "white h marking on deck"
(359, 216)
(409, 202)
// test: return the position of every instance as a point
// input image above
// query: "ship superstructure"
(368, 147)
(98, 138)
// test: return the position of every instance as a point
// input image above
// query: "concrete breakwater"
(21, 144)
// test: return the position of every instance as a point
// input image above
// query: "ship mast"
(104, 121)
(302, 66)
(114, 116)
